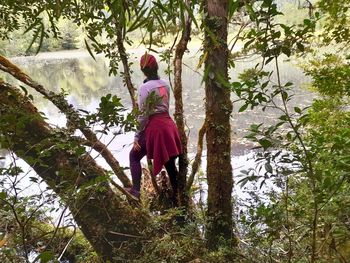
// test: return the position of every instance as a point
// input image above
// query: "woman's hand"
(136, 147)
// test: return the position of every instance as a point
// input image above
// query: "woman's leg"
(171, 169)
(135, 163)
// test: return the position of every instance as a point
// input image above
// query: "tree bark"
(179, 111)
(218, 133)
(79, 181)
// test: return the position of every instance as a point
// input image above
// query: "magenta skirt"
(162, 140)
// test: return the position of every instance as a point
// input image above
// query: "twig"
(123, 234)
(57, 227)
(66, 246)
(198, 158)
(237, 36)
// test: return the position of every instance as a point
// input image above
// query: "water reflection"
(3, 154)
(85, 81)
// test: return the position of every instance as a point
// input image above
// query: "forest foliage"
(298, 205)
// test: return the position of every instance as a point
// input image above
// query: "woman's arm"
(142, 118)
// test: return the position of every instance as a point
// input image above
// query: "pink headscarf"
(148, 61)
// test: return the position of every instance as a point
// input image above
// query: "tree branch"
(126, 73)
(198, 158)
(73, 117)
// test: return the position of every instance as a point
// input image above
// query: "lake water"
(86, 80)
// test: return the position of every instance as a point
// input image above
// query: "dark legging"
(171, 169)
(136, 171)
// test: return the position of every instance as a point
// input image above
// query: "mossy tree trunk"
(181, 47)
(106, 220)
(218, 136)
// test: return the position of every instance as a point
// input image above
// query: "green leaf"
(33, 25)
(255, 127)
(297, 110)
(191, 14)
(89, 49)
(236, 84)
(251, 12)
(307, 22)
(269, 60)
(287, 29)
(300, 47)
(283, 117)
(265, 143)
(286, 51)
(33, 179)
(35, 37)
(268, 168)
(80, 150)
(182, 13)
(42, 35)
(243, 108)
(264, 85)
(248, 43)
(139, 20)
(284, 95)
(160, 20)
(24, 90)
(276, 35)
(243, 181)
(232, 8)
(44, 257)
(3, 195)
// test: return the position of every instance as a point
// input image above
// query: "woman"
(157, 136)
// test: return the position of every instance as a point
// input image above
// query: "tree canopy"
(302, 159)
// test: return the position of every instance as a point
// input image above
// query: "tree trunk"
(179, 111)
(126, 74)
(101, 214)
(218, 111)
